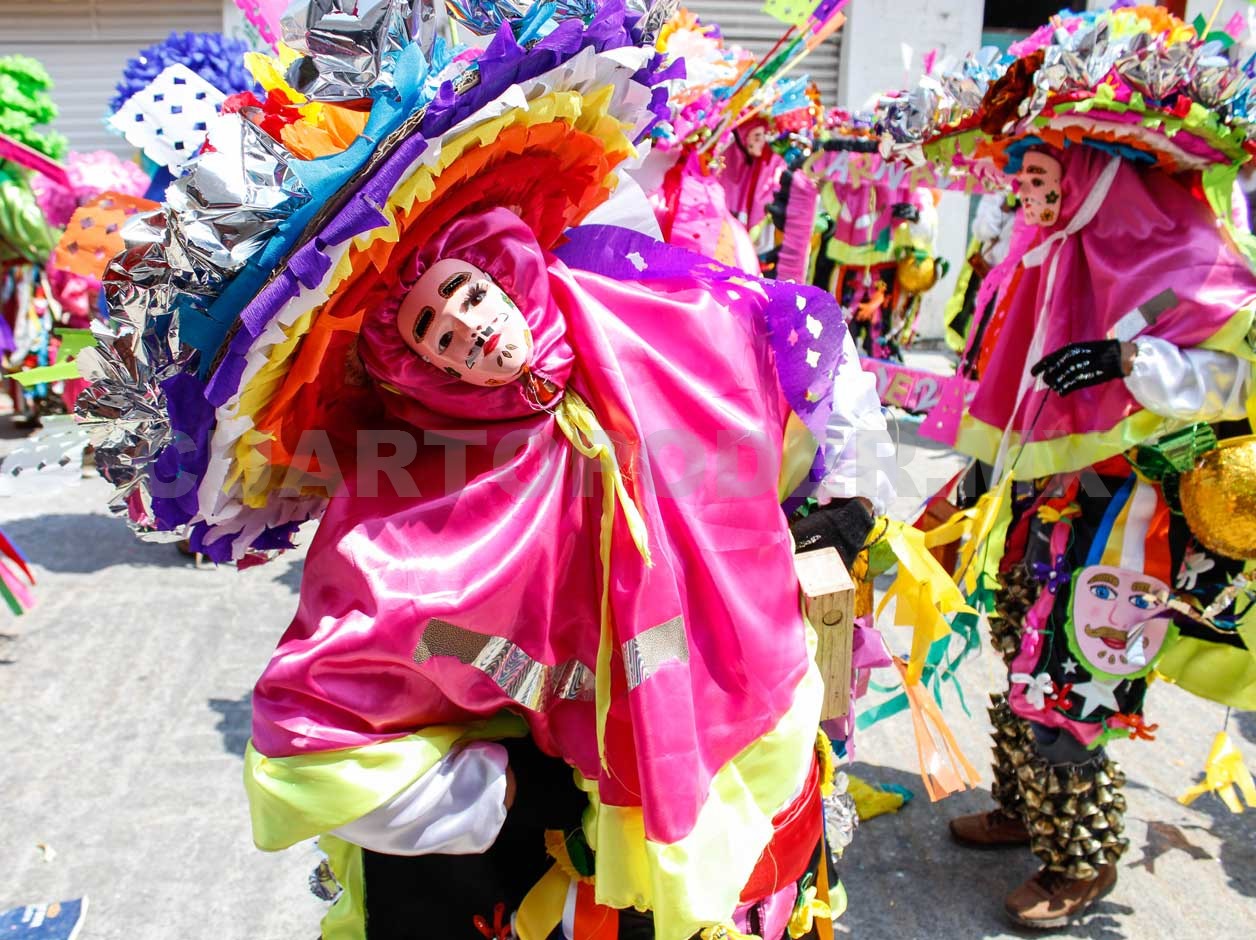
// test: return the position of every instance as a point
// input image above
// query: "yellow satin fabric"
(797, 457)
(733, 828)
(295, 798)
(581, 427)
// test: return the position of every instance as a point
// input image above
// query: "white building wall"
(880, 37)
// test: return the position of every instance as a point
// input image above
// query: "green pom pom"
(25, 104)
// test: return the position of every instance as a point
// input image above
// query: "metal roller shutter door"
(84, 44)
(743, 22)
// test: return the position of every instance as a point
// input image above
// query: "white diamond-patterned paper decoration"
(169, 120)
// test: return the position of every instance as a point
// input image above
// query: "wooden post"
(829, 599)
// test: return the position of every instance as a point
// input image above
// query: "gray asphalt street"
(124, 710)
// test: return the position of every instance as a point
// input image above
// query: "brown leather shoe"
(993, 830)
(1050, 899)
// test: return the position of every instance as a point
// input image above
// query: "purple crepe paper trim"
(605, 249)
(181, 465)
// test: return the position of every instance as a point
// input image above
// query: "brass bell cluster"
(1012, 750)
(1075, 815)
(1012, 602)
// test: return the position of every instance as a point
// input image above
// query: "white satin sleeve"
(456, 808)
(858, 452)
(1189, 384)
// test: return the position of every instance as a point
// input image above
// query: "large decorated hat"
(236, 307)
(1132, 79)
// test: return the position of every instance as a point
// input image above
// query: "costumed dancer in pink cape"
(529, 690)
(1119, 351)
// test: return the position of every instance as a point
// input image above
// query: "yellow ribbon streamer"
(1050, 515)
(923, 592)
(810, 906)
(1226, 775)
(975, 525)
(585, 432)
(542, 907)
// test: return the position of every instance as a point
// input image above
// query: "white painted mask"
(458, 319)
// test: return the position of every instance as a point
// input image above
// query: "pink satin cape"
(1151, 234)
(501, 541)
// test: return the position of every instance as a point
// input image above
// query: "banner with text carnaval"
(941, 398)
(854, 168)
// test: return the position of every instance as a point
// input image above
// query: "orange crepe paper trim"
(337, 128)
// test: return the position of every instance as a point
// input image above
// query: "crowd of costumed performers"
(993, 224)
(1111, 420)
(714, 168)
(849, 507)
(421, 300)
(861, 227)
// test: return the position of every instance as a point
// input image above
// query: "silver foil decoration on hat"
(655, 17)
(910, 119)
(234, 197)
(968, 82)
(349, 46)
(1153, 69)
(1086, 56)
(1214, 76)
(123, 409)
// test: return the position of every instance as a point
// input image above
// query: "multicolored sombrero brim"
(548, 148)
(540, 130)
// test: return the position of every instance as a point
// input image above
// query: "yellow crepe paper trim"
(585, 113)
(697, 881)
(827, 759)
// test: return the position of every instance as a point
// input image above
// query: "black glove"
(1080, 365)
(843, 524)
(905, 211)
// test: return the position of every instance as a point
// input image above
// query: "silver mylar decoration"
(1153, 69)
(123, 410)
(229, 203)
(348, 46)
(656, 15)
(1214, 76)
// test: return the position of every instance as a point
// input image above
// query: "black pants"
(437, 897)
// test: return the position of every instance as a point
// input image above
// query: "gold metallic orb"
(1219, 498)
